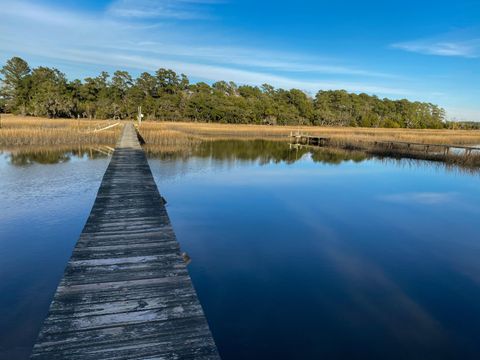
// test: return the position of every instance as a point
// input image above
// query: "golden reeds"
(155, 130)
(176, 136)
(27, 131)
(19, 131)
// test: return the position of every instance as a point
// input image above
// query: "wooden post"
(139, 117)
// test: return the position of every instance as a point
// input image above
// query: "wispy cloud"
(468, 49)
(257, 58)
(209, 72)
(118, 38)
(457, 44)
(160, 9)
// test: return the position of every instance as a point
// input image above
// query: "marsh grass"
(177, 137)
(461, 159)
(27, 131)
(175, 134)
(152, 130)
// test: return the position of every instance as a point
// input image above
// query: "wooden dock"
(314, 140)
(428, 147)
(126, 292)
(305, 139)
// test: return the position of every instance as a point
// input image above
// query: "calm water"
(295, 255)
(45, 200)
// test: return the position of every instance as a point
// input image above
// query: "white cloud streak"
(105, 40)
(253, 58)
(160, 9)
(464, 44)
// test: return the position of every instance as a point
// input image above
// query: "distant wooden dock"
(126, 292)
(315, 140)
(309, 139)
(439, 148)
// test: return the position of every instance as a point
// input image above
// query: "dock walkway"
(126, 292)
(315, 140)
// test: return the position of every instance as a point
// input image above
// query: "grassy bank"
(27, 131)
(17, 130)
(155, 132)
(30, 131)
(176, 136)
(28, 134)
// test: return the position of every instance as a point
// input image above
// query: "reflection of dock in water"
(105, 150)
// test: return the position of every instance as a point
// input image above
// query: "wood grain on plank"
(126, 292)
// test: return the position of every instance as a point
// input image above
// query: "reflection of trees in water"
(261, 151)
(266, 151)
(337, 156)
(24, 159)
(52, 156)
(406, 162)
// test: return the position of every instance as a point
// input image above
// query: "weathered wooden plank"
(126, 292)
(166, 340)
(164, 290)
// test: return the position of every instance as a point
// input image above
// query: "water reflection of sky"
(43, 209)
(323, 257)
(357, 260)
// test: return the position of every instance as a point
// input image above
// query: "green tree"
(119, 89)
(168, 81)
(15, 85)
(165, 95)
(49, 94)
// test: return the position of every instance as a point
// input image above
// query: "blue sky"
(419, 50)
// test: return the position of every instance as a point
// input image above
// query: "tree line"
(166, 95)
(463, 125)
